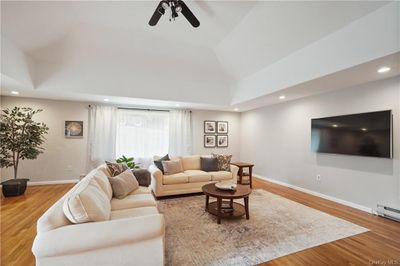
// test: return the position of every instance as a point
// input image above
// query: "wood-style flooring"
(380, 246)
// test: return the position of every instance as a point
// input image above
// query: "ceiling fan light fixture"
(178, 8)
(165, 5)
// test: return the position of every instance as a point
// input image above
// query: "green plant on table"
(130, 162)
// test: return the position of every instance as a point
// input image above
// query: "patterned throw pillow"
(224, 161)
(116, 168)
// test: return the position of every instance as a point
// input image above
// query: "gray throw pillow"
(209, 164)
(172, 167)
(123, 184)
(158, 162)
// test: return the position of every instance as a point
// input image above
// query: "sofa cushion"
(134, 212)
(220, 175)
(87, 203)
(123, 184)
(224, 161)
(116, 168)
(209, 164)
(133, 201)
(172, 167)
(197, 176)
(102, 179)
(158, 162)
(141, 190)
(175, 179)
(191, 162)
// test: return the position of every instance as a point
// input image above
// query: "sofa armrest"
(155, 172)
(77, 238)
(156, 180)
(234, 171)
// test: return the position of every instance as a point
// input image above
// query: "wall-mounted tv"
(365, 134)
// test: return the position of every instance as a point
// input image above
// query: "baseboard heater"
(388, 212)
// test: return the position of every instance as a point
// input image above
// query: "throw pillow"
(123, 184)
(116, 168)
(159, 164)
(224, 161)
(172, 167)
(209, 164)
(87, 203)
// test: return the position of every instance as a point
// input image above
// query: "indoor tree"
(20, 137)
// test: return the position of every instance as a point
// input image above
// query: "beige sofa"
(190, 181)
(134, 234)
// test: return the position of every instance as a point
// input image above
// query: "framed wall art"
(210, 127)
(209, 141)
(222, 127)
(73, 129)
(222, 141)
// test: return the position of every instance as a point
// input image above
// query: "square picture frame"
(222, 141)
(222, 127)
(73, 129)
(210, 141)
(210, 127)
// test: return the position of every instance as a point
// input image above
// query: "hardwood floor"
(380, 246)
(18, 221)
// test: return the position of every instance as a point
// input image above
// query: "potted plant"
(20, 138)
(130, 162)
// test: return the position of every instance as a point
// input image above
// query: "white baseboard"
(344, 202)
(54, 182)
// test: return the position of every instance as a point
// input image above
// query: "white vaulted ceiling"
(96, 49)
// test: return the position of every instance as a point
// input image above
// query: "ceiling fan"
(174, 7)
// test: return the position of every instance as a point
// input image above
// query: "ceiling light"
(282, 97)
(178, 8)
(383, 69)
(364, 129)
(15, 92)
(236, 109)
(334, 125)
(106, 100)
(177, 105)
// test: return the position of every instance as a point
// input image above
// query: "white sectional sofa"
(133, 235)
(190, 181)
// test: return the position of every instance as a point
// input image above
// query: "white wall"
(277, 140)
(233, 119)
(63, 158)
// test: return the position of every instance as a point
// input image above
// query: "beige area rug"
(277, 227)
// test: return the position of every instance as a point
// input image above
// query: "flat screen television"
(365, 134)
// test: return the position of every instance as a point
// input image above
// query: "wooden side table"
(242, 165)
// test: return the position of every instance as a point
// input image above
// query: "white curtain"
(102, 134)
(180, 132)
(142, 134)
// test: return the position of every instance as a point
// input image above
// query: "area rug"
(277, 227)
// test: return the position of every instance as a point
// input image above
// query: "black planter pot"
(14, 187)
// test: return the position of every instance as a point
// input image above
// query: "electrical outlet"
(318, 177)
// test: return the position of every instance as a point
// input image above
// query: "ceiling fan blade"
(157, 14)
(188, 14)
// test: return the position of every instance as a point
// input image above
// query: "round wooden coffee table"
(224, 207)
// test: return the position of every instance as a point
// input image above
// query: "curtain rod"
(141, 109)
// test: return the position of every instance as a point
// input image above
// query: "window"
(142, 134)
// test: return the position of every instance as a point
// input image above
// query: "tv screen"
(366, 134)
